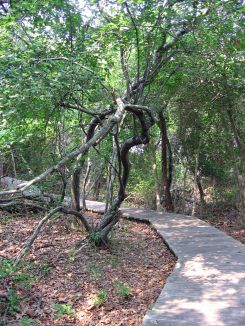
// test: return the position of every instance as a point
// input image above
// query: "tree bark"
(111, 216)
(75, 188)
(156, 178)
(85, 183)
(166, 168)
(13, 163)
(200, 189)
(111, 178)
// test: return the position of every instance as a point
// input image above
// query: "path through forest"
(207, 286)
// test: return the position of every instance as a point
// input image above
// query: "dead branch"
(36, 232)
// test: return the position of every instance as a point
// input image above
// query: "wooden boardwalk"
(207, 286)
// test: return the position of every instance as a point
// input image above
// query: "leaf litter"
(89, 286)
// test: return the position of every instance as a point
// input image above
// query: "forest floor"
(59, 286)
(226, 219)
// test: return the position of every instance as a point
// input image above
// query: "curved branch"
(111, 215)
(35, 234)
(137, 39)
(30, 241)
(128, 144)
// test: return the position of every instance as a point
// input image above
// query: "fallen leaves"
(227, 219)
(103, 287)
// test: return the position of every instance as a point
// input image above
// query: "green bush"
(123, 290)
(101, 297)
(64, 309)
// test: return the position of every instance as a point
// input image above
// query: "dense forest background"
(137, 102)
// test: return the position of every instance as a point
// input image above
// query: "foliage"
(17, 274)
(124, 291)
(63, 309)
(101, 297)
(26, 321)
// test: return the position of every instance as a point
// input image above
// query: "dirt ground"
(115, 286)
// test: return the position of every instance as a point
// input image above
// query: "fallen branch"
(35, 234)
(30, 241)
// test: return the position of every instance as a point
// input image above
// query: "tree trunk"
(156, 178)
(166, 168)
(112, 215)
(195, 183)
(111, 177)
(85, 182)
(75, 188)
(200, 188)
(13, 163)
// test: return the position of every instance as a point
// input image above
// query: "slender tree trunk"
(157, 188)
(97, 187)
(166, 169)
(112, 168)
(89, 164)
(184, 185)
(75, 188)
(200, 189)
(13, 163)
(194, 206)
(111, 178)
(156, 178)
(64, 183)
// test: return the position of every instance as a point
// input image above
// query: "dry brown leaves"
(115, 286)
(226, 219)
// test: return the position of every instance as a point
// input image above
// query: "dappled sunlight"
(197, 270)
(207, 310)
(197, 292)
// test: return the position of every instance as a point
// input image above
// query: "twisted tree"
(79, 72)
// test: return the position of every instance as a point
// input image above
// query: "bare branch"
(35, 234)
(30, 241)
(77, 107)
(137, 39)
(125, 70)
